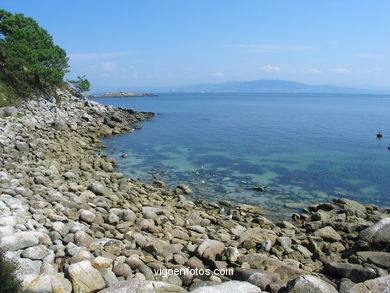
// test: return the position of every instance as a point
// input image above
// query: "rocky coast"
(75, 224)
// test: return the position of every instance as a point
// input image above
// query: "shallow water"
(306, 148)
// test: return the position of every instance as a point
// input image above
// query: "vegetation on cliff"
(30, 62)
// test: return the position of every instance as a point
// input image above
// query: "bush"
(81, 84)
(9, 282)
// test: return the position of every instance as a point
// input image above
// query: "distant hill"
(277, 86)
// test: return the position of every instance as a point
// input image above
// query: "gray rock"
(210, 249)
(36, 252)
(49, 283)
(379, 258)
(108, 276)
(135, 286)
(309, 284)
(60, 124)
(152, 212)
(98, 189)
(377, 234)
(87, 216)
(28, 266)
(85, 278)
(122, 270)
(328, 234)
(285, 242)
(262, 279)
(356, 273)
(83, 239)
(231, 286)
(19, 240)
(378, 285)
(61, 228)
(232, 254)
(8, 111)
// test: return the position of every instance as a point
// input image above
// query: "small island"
(122, 95)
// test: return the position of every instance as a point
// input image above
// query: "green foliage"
(29, 60)
(8, 96)
(9, 283)
(81, 84)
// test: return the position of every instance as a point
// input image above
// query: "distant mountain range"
(273, 86)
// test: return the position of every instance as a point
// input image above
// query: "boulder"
(83, 239)
(49, 283)
(378, 285)
(286, 270)
(8, 111)
(309, 284)
(36, 252)
(260, 278)
(20, 240)
(377, 234)
(122, 270)
(328, 234)
(135, 286)
(378, 258)
(98, 189)
(210, 249)
(231, 286)
(356, 273)
(254, 236)
(87, 216)
(85, 278)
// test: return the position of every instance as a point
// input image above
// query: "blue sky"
(128, 45)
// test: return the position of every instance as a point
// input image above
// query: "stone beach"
(75, 224)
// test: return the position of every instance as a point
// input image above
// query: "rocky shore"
(122, 95)
(74, 224)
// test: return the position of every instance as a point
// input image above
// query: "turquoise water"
(306, 148)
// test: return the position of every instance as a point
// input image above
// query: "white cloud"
(217, 74)
(109, 67)
(270, 68)
(340, 70)
(82, 57)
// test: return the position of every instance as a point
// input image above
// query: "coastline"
(121, 95)
(66, 210)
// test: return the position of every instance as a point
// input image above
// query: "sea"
(304, 148)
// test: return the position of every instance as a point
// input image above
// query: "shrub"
(9, 282)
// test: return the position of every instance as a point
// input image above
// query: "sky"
(126, 44)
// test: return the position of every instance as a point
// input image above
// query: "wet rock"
(309, 284)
